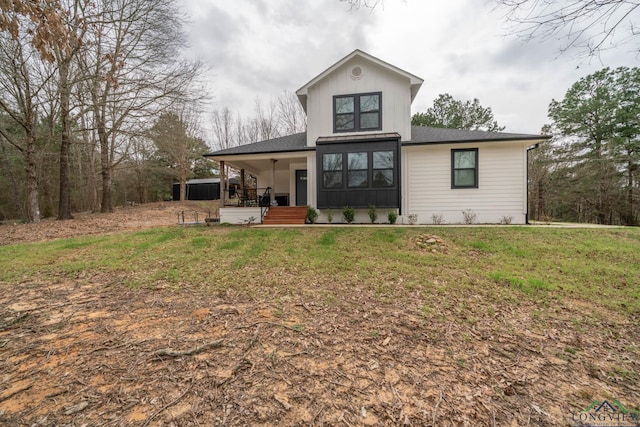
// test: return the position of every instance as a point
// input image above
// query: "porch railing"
(249, 197)
(265, 203)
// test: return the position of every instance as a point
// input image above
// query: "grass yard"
(439, 326)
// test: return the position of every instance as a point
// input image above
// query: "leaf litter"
(78, 353)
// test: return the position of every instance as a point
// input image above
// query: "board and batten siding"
(501, 177)
(396, 99)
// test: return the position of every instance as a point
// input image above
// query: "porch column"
(223, 183)
(273, 178)
(244, 195)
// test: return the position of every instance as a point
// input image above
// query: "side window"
(464, 168)
(332, 170)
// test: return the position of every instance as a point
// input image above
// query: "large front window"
(359, 112)
(358, 173)
(464, 168)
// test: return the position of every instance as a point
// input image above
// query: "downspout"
(526, 214)
(399, 176)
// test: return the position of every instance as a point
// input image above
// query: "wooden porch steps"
(282, 215)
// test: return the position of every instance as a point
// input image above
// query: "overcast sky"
(262, 48)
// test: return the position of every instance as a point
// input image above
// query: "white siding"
(282, 180)
(501, 177)
(396, 98)
(239, 215)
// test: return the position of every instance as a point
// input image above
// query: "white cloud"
(258, 49)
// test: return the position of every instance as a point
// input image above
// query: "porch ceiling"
(255, 165)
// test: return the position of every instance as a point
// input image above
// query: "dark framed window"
(464, 168)
(358, 173)
(332, 170)
(358, 170)
(360, 112)
(383, 169)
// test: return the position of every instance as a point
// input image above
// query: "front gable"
(356, 75)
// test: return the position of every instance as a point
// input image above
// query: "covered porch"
(280, 181)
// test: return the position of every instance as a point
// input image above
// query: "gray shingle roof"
(295, 142)
(419, 135)
(431, 135)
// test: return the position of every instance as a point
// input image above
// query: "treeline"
(82, 82)
(589, 170)
(98, 108)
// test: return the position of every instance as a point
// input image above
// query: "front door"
(301, 188)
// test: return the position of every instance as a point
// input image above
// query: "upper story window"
(464, 168)
(359, 112)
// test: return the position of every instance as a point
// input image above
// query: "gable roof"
(414, 80)
(420, 135)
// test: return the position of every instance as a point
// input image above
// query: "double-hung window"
(332, 170)
(361, 112)
(383, 169)
(464, 168)
(358, 170)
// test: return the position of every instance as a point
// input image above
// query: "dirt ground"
(90, 352)
(87, 223)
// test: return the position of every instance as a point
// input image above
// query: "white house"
(360, 150)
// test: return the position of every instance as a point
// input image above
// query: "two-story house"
(360, 150)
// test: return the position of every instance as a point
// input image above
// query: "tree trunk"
(33, 203)
(107, 194)
(183, 184)
(631, 219)
(64, 203)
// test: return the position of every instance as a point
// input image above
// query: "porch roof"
(284, 144)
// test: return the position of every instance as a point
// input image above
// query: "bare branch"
(588, 26)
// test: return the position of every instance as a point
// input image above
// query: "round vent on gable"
(356, 73)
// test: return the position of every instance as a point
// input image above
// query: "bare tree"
(223, 129)
(74, 14)
(290, 114)
(131, 73)
(266, 121)
(357, 4)
(22, 77)
(590, 26)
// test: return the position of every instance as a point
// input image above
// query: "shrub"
(373, 215)
(413, 218)
(506, 220)
(330, 216)
(392, 217)
(312, 215)
(349, 214)
(437, 219)
(469, 216)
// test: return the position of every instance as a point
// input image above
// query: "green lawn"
(600, 267)
(435, 325)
